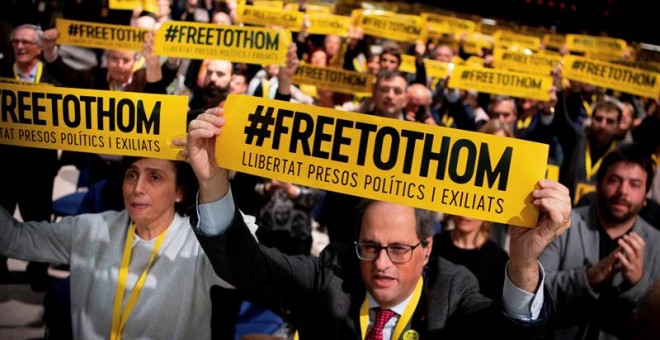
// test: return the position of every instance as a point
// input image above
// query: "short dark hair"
(423, 219)
(608, 106)
(628, 153)
(394, 51)
(387, 75)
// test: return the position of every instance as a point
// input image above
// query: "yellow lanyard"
(403, 320)
(524, 123)
(119, 316)
(447, 120)
(37, 77)
(588, 168)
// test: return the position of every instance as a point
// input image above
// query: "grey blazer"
(581, 309)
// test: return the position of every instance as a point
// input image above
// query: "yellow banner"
(555, 41)
(267, 3)
(105, 122)
(335, 79)
(408, 64)
(434, 69)
(449, 170)
(596, 45)
(475, 42)
(147, 5)
(105, 36)
(263, 16)
(310, 8)
(612, 76)
(400, 27)
(252, 45)
(442, 24)
(516, 84)
(526, 63)
(475, 61)
(329, 24)
(509, 39)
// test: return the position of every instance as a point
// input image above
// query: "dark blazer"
(323, 295)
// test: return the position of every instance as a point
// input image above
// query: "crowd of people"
(158, 247)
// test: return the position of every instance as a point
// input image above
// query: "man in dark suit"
(344, 293)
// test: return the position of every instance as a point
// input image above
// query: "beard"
(612, 216)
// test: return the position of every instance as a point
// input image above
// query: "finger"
(197, 134)
(636, 241)
(549, 184)
(627, 251)
(624, 262)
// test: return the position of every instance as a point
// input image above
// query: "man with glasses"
(29, 173)
(349, 292)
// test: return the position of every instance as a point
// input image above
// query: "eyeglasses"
(22, 41)
(398, 253)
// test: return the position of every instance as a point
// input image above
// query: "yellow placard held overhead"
(252, 45)
(333, 79)
(105, 122)
(508, 39)
(20, 82)
(475, 42)
(264, 16)
(437, 69)
(442, 24)
(552, 172)
(105, 36)
(555, 41)
(612, 76)
(454, 171)
(510, 83)
(329, 24)
(147, 5)
(596, 45)
(267, 3)
(400, 27)
(526, 63)
(408, 64)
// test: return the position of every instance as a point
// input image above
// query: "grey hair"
(36, 28)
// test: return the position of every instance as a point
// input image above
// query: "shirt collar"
(398, 309)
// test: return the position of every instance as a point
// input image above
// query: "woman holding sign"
(135, 273)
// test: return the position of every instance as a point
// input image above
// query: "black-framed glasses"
(398, 253)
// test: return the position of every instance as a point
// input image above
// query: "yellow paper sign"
(252, 45)
(522, 62)
(400, 27)
(147, 5)
(442, 24)
(555, 41)
(329, 24)
(105, 36)
(264, 16)
(596, 45)
(475, 42)
(334, 79)
(443, 169)
(408, 64)
(612, 76)
(507, 39)
(510, 83)
(267, 3)
(106, 122)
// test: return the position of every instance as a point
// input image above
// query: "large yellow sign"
(612, 76)
(526, 63)
(400, 27)
(106, 122)
(105, 36)
(264, 16)
(252, 45)
(596, 45)
(454, 171)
